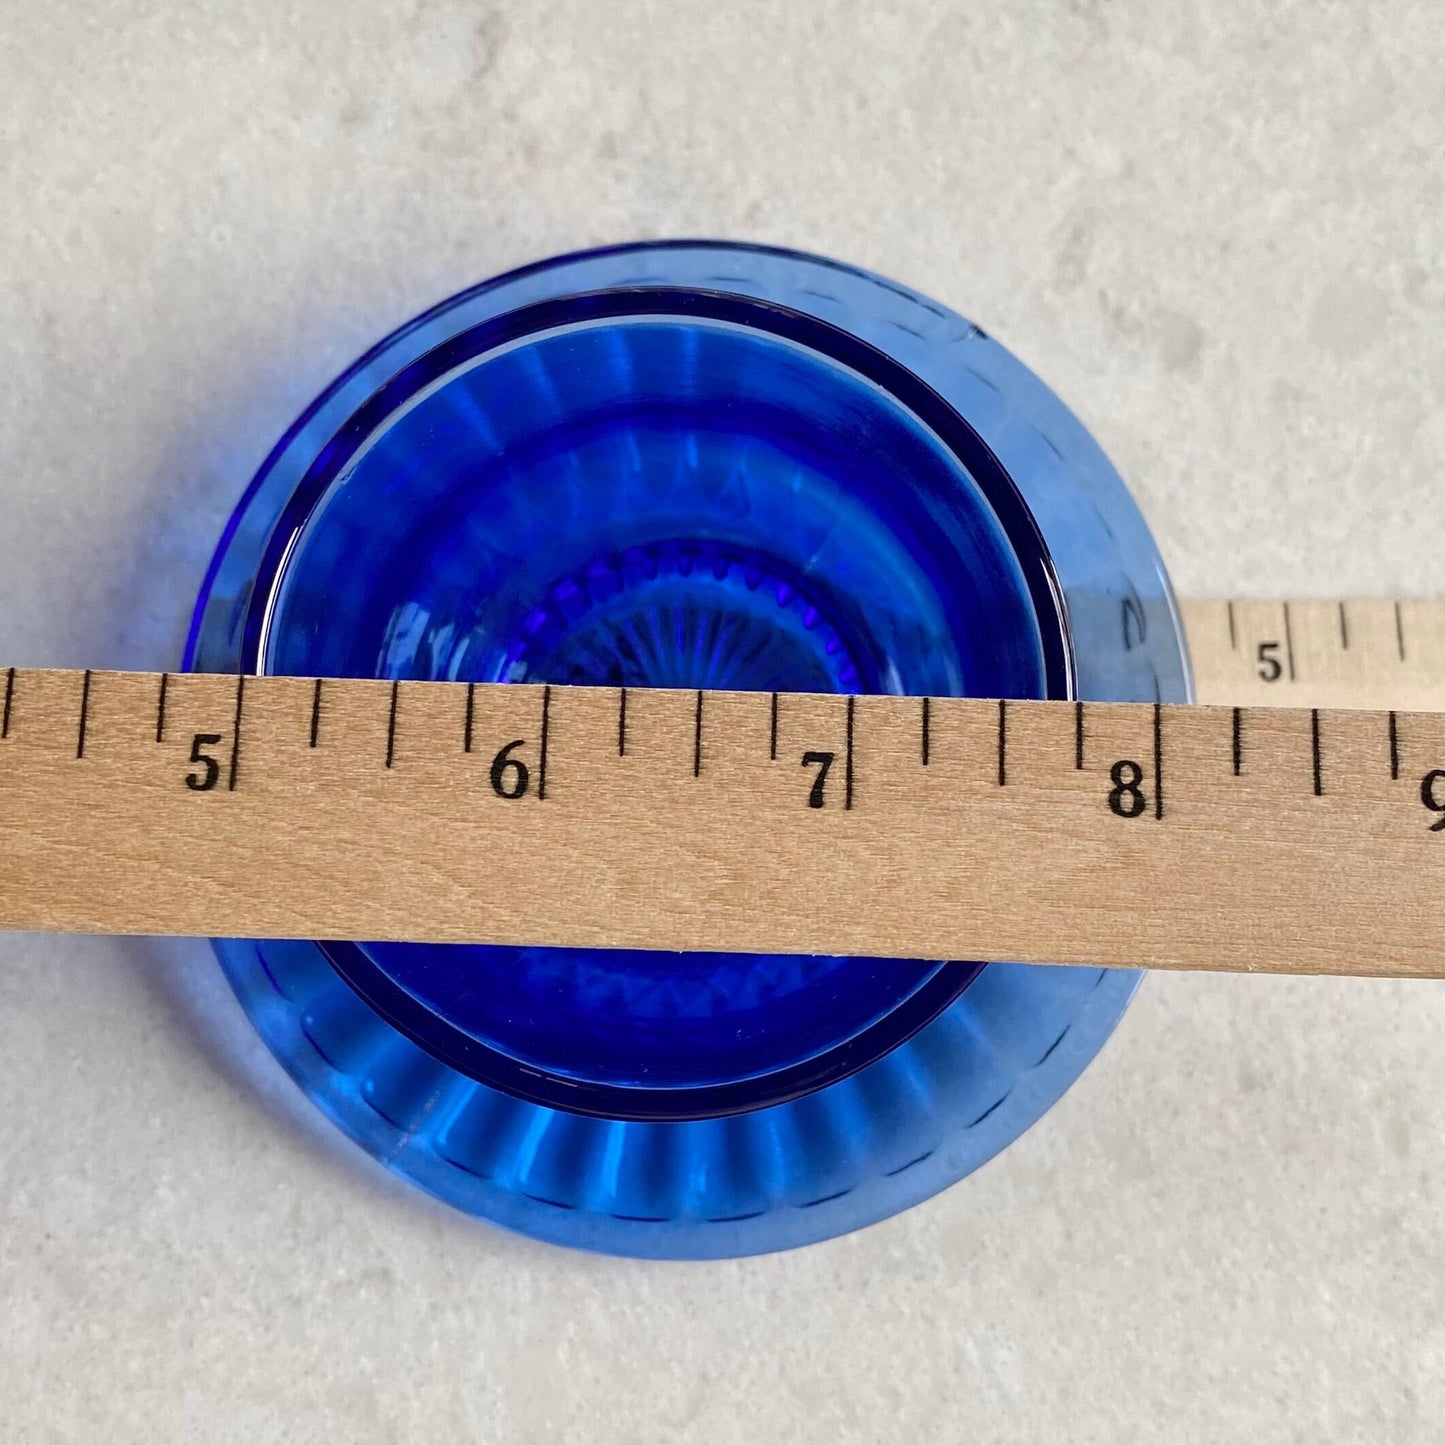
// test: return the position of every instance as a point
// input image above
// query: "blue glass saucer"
(686, 465)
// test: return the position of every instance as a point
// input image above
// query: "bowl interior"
(656, 500)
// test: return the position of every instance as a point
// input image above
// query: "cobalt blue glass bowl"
(686, 464)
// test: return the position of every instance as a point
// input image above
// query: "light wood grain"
(1282, 867)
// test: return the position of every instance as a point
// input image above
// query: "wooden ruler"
(1303, 839)
(1319, 654)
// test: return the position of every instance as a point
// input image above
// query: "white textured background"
(1215, 228)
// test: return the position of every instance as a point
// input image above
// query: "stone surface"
(1216, 229)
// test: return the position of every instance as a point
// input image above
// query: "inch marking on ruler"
(84, 714)
(1296, 839)
(316, 714)
(161, 706)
